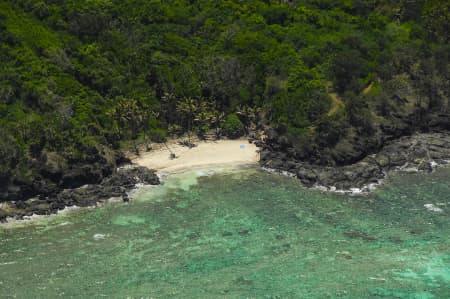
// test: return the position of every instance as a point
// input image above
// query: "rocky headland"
(57, 184)
(415, 152)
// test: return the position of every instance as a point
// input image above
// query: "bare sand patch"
(205, 154)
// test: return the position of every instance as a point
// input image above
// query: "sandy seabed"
(205, 154)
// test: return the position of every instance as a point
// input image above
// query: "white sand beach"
(205, 154)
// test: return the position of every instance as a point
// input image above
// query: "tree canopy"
(79, 73)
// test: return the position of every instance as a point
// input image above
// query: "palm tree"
(248, 115)
(187, 107)
(203, 119)
(129, 118)
(148, 114)
(168, 107)
(218, 117)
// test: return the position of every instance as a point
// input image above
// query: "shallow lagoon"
(240, 233)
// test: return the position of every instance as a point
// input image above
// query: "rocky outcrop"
(129, 176)
(51, 172)
(419, 152)
(114, 186)
(438, 122)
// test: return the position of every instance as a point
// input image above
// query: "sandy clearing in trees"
(205, 154)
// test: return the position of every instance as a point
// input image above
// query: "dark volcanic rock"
(52, 166)
(131, 177)
(121, 159)
(425, 166)
(3, 215)
(420, 151)
(307, 176)
(81, 175)
(438, 122)
(115, 186)
(346, 152)
(396, 127)
(50, 172)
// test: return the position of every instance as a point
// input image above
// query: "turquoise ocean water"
(240, 233)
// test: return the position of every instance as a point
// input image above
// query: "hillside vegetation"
(79, 78)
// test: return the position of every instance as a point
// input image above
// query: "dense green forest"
(78, 75)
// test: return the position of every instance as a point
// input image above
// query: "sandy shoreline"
(205, 154)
